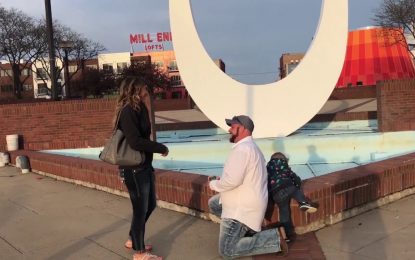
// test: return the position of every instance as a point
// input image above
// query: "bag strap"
(114, 129)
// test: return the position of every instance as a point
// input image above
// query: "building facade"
(288, 62)
(165, 60)
(114, 62)
(7, 91)
(373, 54)
(42, 83)
(39, 84)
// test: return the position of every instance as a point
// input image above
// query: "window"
(26, 72)
(42, 89)
(121, 66)
(160, 95)
(27, 87)
(173, 65)
(6, 88)
(41, 74)
(176, 95)
(72, 68)
(158, 64)
(291, 67)
(176, 80)
(92, 66)
(107, 68)
(6, 73)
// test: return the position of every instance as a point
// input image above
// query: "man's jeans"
(233, 239)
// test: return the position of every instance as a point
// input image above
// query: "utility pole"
(51, 45)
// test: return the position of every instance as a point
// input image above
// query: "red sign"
(154, 47)
(151, 41)
(145, 38)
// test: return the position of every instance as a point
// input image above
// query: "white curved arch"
(279, 108)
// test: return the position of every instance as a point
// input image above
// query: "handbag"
(117, 151)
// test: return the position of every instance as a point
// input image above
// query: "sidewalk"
(46, 219)
(387, 232)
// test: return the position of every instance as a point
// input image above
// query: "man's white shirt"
(243, 184)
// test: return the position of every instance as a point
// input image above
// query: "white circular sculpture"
(278, 108)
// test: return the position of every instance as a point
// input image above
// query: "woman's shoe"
(146, 256)
(129, 245)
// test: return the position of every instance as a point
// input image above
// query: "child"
(284, 184)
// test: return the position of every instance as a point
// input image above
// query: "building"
(114, 62)
(42, 83)
(372, 55)
(165, 60)
(288, 62)
(39, 84)
(6, 81)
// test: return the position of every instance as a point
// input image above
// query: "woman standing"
(134, 121)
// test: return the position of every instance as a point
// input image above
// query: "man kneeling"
(243, 197)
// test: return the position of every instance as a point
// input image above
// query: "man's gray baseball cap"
(243, 120)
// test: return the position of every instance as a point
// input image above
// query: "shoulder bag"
(118, 152)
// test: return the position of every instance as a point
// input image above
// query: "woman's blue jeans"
(141, 187)
(236, 239)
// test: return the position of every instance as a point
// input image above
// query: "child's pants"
(283, 199)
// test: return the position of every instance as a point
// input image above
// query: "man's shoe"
(307, 207)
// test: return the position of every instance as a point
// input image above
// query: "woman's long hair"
(130, 89)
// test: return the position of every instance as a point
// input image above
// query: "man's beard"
(233, 136)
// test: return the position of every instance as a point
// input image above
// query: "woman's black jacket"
(136, 127)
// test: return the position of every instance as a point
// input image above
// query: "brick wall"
(396, 105)
(64, 124)
(55, 125)
(9, 97)
(344, 116)
(353, 93)
(338, 194)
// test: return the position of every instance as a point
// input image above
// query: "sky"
(248, 35)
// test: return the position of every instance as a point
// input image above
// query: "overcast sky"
(248, 35)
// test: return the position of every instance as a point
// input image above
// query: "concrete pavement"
(41, 218)
(387, 232)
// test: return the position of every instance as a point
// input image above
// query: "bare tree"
(80, 50)
(398, 17)
(93, 82)
(20, 43)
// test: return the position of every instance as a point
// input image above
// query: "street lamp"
(66, 46)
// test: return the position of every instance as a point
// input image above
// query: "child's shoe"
(307, 207)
